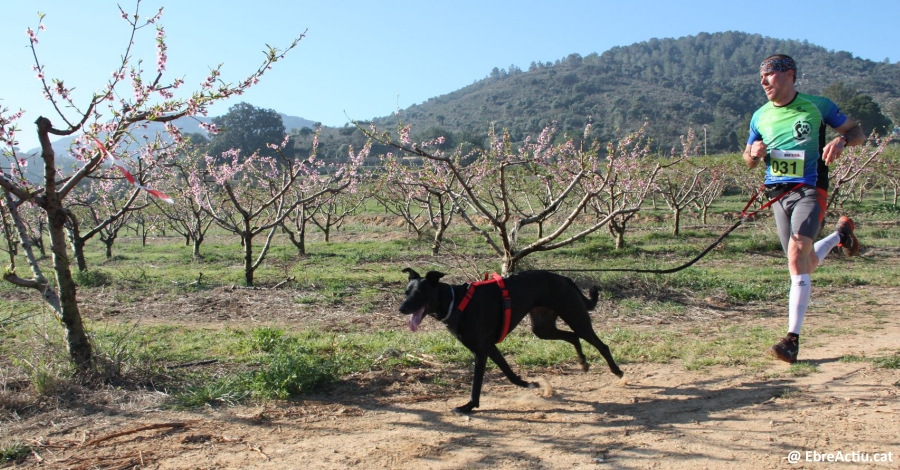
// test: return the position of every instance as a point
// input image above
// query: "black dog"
(544, 295)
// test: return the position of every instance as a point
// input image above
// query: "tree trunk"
(618, 232)
(676, 222)
(298, 239)
(509, 265)
(10, 239)
(301, 242)
(77, 343)
(78, 248)
(195, 253)
(247, 241)
(39, 240)
(77, 244)
(109, 244)
(438, 239)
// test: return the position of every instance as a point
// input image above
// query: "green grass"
(802, 369)
(269, 362)
(211, 391)
(14, 452)
(885, 362)
(888, 362)
(788, 394)
(852, 358)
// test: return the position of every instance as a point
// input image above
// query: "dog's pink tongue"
(416, 318)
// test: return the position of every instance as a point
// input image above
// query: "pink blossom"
(404, 135)
(211, 128)
(161, 48)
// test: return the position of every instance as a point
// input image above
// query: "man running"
(788, 134)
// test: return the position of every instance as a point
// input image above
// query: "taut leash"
(744, 216)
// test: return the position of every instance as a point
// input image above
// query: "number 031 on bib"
(787, 163)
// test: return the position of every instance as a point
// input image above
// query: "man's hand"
(758, 150)
(833, 150)
(851, 134)
(755, 153)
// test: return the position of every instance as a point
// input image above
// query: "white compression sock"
(798, 302)
(825, 245)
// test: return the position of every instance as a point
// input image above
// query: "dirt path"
(662, 416)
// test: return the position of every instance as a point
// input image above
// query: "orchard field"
(313, 367)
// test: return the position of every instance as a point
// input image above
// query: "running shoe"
(786, 349)
(849, 244)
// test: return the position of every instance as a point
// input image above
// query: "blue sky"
(361, 60)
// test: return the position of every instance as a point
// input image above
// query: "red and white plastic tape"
(121, 166)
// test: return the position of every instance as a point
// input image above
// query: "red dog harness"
(493, 278)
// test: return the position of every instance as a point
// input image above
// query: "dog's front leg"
(477, 381)
(498, 359)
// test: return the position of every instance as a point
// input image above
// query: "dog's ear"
(434, 276)
(412, 274)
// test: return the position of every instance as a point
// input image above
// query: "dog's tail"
(592, 301)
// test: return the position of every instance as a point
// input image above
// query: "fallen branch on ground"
(191, 364)
(276, 286)
(136, 430)
(258, 451)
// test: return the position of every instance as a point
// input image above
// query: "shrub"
(92, 278)
(292, 370)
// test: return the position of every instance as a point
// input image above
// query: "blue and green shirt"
(795, 136)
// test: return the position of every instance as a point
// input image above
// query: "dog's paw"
(534, 385)
(618, 373)
(547, 389)
(465, 409)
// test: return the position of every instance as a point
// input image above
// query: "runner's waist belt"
(777, 189)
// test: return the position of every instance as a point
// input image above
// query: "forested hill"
(672, 84)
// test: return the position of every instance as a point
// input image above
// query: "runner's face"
(779, 86)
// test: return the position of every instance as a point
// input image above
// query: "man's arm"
(850, 130)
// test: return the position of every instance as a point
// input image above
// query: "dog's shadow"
(636, 403)
(819, 362)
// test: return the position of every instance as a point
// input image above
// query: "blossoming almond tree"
(418, 192)
(334, 209)
(295, 224)
(714, 181)
(184, 182)
(105, 208)
(499, 187)
(253, 195)
(681, 182)
(854, 163)
(101, 126)
(889, 175)
(630, 179)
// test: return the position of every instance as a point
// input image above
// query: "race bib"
(787, 163)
